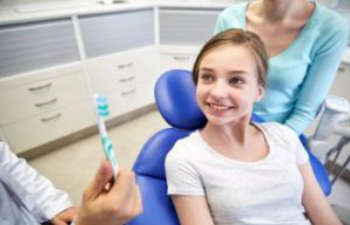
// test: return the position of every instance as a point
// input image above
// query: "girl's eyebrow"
(232, 72)
(206, 69)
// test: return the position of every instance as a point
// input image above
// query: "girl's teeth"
(218, 107)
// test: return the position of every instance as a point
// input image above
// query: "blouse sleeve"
(181, 176)
(42, 199)
(320, 75)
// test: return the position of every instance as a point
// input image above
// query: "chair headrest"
(176, 100)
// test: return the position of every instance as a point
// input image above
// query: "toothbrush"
(102, 112)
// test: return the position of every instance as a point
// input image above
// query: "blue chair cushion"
(157, 206)
(176, 100)
(150, 161)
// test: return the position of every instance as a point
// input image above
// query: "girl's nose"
(219, 90)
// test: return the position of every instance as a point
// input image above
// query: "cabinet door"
(35, 45)
(109, 33)
(189, 27)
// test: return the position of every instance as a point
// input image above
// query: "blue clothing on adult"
(299, 77)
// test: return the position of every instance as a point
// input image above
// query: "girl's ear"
(260, 93)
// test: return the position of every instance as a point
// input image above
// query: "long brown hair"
(237, 37)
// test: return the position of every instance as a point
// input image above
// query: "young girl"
(234, 171)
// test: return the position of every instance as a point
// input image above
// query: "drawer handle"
(123, 66)
(40, 87)
(123, 80)
(45, 119)
(181, 58)
(51, 101)
(124, 93)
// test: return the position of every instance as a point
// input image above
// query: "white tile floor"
(71, 167)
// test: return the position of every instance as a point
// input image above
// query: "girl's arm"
(314, 201)
(192, 210)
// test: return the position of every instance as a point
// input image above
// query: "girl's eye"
(206, 77)
(236, 80)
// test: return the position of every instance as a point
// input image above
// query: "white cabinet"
(38, 107)
(32, 93)
(113, 32)
(126, 78)
(176, 61)
(186, 26)
(49, 126)
(35, 45)
(175, 57)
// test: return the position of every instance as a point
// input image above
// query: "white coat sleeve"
(35, 191)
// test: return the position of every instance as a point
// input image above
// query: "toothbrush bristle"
(102, 106)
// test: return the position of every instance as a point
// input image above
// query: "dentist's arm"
(114, 205)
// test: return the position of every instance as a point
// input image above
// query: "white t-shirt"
(268, 191)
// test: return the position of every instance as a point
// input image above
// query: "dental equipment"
(335, 120)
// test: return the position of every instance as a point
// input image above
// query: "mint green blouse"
(300, 77)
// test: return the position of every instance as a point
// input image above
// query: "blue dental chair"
(175, 98)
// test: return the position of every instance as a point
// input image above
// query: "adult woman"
(304, 41)
(233, 171)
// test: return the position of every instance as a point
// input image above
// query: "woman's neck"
(278, 10)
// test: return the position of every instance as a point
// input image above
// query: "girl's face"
(227, 84)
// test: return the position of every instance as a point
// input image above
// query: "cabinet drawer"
(177, 61)
(115, 71)
(30, 99)
(136, 97)
(109, 72)
(46, 127)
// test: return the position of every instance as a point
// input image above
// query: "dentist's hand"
(113, 205)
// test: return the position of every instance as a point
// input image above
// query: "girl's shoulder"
(185, 147)
(278, 133)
